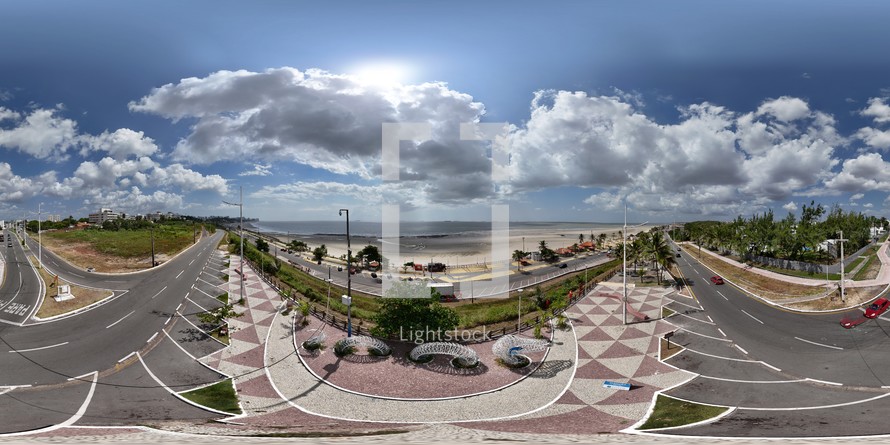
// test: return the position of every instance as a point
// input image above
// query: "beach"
(463, 248)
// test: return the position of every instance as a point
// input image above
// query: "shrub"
(342, 350)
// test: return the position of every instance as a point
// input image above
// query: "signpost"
(667, 337)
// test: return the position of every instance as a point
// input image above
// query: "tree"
(298, 246)
(547, 254)
(371, 251)
(219, 315)
(262, 245)
(518, 255)
(581, 239)
(602, 238)
(320, 252)
(421, 319)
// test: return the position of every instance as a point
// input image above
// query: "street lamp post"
(624, 264)
(240, 231)
(39, 241)
(348, 276)
(519, 320)
(841, 240)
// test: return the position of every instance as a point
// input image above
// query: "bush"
(342, 350)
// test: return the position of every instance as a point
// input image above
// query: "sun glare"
(381, 74)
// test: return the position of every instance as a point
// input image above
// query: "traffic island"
(83, 296)
(671, 413)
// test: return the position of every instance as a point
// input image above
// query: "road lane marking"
(755, 318)
(684, 304)
(159, 292)
(168, 320)
(152, 337)
(700, 335)
(195, 358)
(819, 344)
(709, 318)
(696, 319)
(128, 356)
(740, 349)
(176, 394)
(122, 319)
(721, 332)
(751, 381)
(76, 275)
(80, 377)
(721, 294)
(190, 262)
(180, 273)
(203, 331)
(721, 357)
(825, 382)
(37, 349)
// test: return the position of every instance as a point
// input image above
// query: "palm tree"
(659, 250)
(602, 239)
(518, 255)
(581, 239)
(634, 253)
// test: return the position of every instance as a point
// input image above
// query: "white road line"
(701, 335)
(755, 318)
(122, 319)
(770, 366)
(76, 275)
(180, 273)
(819, 344)
(709, 318)
(37, 349)
(159, 292)
(721, 357)
(152, 337)
(724, 296)
(176, 394)
(825, 382)
(196, 304)
(740, 349)
(190, 262)
(195, 358)
(684, 304)
(751, 381)
(696, 319)
(168, 320)
(128, 356)
(201, 330)
(721, 332)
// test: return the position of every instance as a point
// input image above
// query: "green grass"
(667, 312)
(220, 396)
(169, 238)
(872, 257)
(670, 412)
(223, 298)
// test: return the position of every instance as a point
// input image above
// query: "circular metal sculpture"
(370, 344)
(465, 356)
(509, 348)
(315, 341)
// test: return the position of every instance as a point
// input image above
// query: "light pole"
(240, 231)
(624, 261)
(519, 320)
(40, 243)
(348, 276)
(841, 240)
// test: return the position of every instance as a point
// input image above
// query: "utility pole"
(152, 245)
(624, 265)
(39, 242)
(842, 240)
(348, 276)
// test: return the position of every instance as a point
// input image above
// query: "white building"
(875, 232)
(102, 216)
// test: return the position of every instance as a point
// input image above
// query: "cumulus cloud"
(134, 200)
(42, 133)
(120, 144)
(874, 138)
(785, 108)
(877, 109)
(863, 173)
(857, 197)
(791, 206)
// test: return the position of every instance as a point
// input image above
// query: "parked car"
(877, 308)
(716, 279)
(90, 269)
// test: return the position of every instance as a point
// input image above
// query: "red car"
(877, 308)
(716, 279)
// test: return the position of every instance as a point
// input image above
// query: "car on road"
(678, 254)
(877, 308)
(716, 279)
(90, 269)
(561, 265)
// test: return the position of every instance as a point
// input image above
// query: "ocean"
(418, 228)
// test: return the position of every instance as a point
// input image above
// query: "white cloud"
(868, 205)
(857, 197)
(135, 201)
(258, 170)
(874, 138)
(785, 108)
(791, 206)
(41, 134)
(120, 144)
(877, 109)
(864, 173)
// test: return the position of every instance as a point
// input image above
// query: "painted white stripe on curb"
(819, 344)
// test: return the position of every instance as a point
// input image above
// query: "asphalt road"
(41, 359)
(20, 292)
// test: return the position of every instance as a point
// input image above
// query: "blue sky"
(692, 110)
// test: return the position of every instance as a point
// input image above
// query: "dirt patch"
(84, 255)
(854, 297)
(768, 288)
(83, 296)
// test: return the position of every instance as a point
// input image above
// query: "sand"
(461, 249)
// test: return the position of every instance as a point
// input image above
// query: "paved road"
(787, 374)
(20, 292)
(40, 359)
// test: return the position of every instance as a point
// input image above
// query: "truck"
(445, 289)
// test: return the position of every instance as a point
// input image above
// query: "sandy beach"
(461, 249)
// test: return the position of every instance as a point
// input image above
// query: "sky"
(688, 110)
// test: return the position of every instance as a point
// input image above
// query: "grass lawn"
(805, 274)
(220, 396)
(168, 238)
(82, 296)
(871, 267)
(668, 352)
(667, 312)
(670, 412)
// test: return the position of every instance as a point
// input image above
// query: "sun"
(381, 74)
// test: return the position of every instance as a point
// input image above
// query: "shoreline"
(454, 249)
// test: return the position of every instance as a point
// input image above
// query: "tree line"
(789, 238)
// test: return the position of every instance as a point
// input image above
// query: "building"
(875, 232)
(103, 215)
